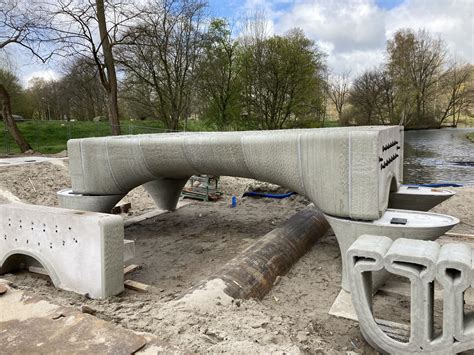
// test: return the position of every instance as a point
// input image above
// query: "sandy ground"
(176, 250)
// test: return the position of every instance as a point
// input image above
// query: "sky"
(353, 33)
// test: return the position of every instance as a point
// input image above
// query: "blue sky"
(353, 33)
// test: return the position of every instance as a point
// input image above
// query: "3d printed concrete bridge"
(346, 172)
(349, 173)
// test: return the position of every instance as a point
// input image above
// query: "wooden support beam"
(136, 286)
(130, 268)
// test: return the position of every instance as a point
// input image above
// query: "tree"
(16, 27)
(373, 98)
(364, 96)
(92, 29)
(454, 84)
(162, 53)
(415, 64)
(218, 76)
(338, 89)
(281, 78)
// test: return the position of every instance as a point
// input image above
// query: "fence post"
(69, 135)
(5, 138)
(36, 123)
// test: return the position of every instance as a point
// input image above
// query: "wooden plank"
(130, 268)
(37, 270)
(151, 214)
(452, 234)
(136, 286)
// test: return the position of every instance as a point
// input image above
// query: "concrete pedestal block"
(347, 172)
(81, 251)
(418, 198)
(422, 262)
(419, 225)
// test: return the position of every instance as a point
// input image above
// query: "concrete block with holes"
(421, 262)
(81, 251)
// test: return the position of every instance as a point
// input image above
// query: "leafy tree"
(415, 64)
(456, 94)
(281, 78)
(218, 76)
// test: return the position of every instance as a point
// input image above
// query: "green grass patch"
(51, 136)
(470, 136)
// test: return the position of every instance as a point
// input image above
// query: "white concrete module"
(422, 262)
(81, 251)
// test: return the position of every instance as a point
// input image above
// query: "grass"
(51, 136)
(470, 136)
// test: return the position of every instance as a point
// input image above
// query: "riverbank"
(470, 136)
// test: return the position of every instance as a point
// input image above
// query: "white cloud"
(452, 20)
(354, 32)
(47, 74)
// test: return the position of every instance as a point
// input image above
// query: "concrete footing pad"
(93, 203)
(421, 262)
(81, 251)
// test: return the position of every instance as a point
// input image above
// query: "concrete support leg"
(422, 262)
(165, 192)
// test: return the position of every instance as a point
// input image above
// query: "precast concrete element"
(68, 199)
(346, 172)
(418, 198)
(81, 251)
(422, 262)
(394, 224)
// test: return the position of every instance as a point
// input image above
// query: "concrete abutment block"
(81, 251)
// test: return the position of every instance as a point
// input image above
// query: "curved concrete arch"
(4, 265)
(345, 171)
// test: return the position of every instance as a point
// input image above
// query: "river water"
(439, 156)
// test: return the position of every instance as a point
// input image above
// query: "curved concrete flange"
(101, 203)
(418, 198)
(165, 192)
(419, 225)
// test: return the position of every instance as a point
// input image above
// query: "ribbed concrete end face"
(81, 251)
(346, 172)
(422, 262)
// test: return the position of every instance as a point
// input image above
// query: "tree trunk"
(10, 122)
(111, 89)
(112, 109)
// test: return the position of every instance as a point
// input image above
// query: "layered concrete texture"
(81, 251)
(346, 172)
(422, 262)
(394, 224)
